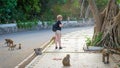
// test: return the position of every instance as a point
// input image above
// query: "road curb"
(32, 56)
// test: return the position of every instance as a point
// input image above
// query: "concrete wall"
(11, 28)
(8, 28)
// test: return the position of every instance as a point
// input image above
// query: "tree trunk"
(83, 7)
(81, 12)
(87, 12)
(107, 22)
(97, 17)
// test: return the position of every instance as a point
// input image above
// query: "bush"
(97, 39)
(88, 41)
(93, 42)
(50, 22)
(118, 65)
(26, 25)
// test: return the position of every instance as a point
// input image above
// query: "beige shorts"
(58, 32)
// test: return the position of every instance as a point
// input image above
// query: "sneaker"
(60, 47)
(56, 47)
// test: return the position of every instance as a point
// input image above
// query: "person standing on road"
(58, 31)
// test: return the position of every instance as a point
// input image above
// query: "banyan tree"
(107, 24)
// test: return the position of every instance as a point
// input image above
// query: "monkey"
(66, 60)
(9, 42)
(38, 51)
(105, 54)
(11, 47)
(19, 46)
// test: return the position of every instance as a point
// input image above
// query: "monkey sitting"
(66, 60)
(11, 47)
(38, 51)
(19, 46)
(105, 55)
(9, 42)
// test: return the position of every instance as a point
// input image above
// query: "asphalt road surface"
(29, 41)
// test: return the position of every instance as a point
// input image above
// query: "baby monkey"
(66, 60)
(11, 47)
(19, 46)
(105, 55)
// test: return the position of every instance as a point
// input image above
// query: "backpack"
(54, 27)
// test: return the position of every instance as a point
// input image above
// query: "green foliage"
(97, 39)
(101, 4)
(118, 2)
(71, 9)
(47, 16)
(44, 10)
(76, 4)
(50, 22)
(118, 65)
(50, 9)
(88, 41)
(30, 9)
(94, 41)
(7, 8)
(26, 25)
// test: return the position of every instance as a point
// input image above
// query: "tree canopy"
(44, 10)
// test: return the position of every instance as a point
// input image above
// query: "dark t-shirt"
(57, 25)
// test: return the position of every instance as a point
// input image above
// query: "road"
(29, 41)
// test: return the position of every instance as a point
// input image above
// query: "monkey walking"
(105, 55)
(66, 60)
(9, 42)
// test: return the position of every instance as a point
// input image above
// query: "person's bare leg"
(59, 40)
(56, 38)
